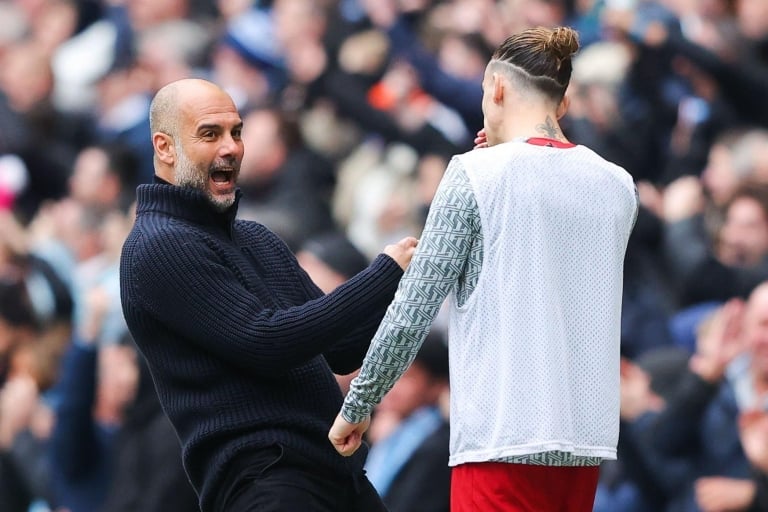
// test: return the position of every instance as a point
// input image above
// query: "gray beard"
(189, 175)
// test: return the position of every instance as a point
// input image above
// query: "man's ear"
(165, 150)
(498, 88)
(562, 108)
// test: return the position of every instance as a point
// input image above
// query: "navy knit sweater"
(240, 342)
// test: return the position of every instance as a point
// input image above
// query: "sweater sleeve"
(187, 287)
(437, 268)
(347, 355)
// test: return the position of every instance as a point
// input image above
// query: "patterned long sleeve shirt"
(448, 259)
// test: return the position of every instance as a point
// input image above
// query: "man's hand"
(347, 437)
(481, 140)
(18, 400)
(753, 427)
(717, 494)
(402, 251)
(719, 341)
(683, 198)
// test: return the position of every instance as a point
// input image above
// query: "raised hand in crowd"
(683, 198)
(719, 493)
(719, 341)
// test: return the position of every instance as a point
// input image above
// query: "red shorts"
(504, 487)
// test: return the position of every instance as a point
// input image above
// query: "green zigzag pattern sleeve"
(448, 258)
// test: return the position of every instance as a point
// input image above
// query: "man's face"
(719, 177)
(744, 234)
(89, 176)
(209, 151)
(752, 16)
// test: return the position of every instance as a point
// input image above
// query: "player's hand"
(347, 437)
(481, 140)
(402, 251)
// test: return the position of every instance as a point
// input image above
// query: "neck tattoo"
(550, 129)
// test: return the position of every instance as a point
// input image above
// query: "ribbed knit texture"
(241, 343)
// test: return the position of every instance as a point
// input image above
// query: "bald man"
(242, 345)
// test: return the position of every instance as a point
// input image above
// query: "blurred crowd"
(352, 109)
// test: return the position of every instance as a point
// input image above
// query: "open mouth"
(223, 179)
(222, 176)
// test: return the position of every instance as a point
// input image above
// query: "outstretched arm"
(452, 227)
(204, 300)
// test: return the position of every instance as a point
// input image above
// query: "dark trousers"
(284, 481)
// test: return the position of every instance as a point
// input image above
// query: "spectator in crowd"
(122, 108)
(31, 344)
(147, 473)
(112, 447)
(27, 116)
(285, 184)
(692, 206)
(186, 44)
(248, 61)
(104, 177)
(24, 423)
(438, 75)
(736, 260)
(642, 478)
(97, 382)
(700, 421)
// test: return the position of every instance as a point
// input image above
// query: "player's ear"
(498, 88)
(562, 108)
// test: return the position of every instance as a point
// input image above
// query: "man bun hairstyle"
(563, 42)
(541, 57)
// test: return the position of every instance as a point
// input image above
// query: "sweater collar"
(185, 203)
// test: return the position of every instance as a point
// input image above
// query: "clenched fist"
(347, 437)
